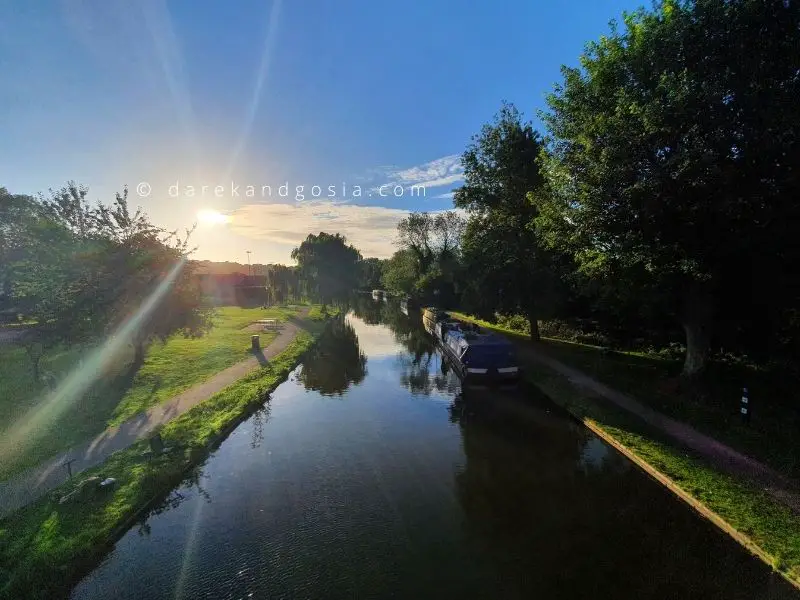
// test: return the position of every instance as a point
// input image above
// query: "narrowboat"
(476, 356)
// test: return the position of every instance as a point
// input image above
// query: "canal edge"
(84, 565)
(687, 498)
(206, 451)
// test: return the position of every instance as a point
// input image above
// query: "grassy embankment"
(169, 369)
(46, 546)
(766, 526)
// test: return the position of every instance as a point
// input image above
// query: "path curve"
(30, 485)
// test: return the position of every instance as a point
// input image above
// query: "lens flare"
(70, 391)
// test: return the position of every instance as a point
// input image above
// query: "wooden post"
(256, 343)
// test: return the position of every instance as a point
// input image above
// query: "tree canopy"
(77, 271)
(329, 266)
(673, 164)
(508, 269)
(428, 260)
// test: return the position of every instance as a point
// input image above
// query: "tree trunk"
(534, 325)
(35, 360)
(138, 354)
(697, 346)
(697, 321)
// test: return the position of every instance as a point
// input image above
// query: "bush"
(514, 323)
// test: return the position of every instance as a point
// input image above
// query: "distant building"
(234, 289)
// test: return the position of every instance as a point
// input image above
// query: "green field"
(169, 369)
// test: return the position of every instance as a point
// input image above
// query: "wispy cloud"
(436, 173)
(372, 229)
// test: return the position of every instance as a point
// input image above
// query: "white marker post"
(745, 406)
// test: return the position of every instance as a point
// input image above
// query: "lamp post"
(249, 270)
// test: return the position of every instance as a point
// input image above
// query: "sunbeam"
(28, 430)
(266, 55)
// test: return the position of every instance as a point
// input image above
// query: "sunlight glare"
(212, 217)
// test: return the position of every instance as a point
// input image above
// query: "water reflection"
(384, 496)
(190, 486)
(560, 515)
(422, 369)
(336, 362)
(258, 420)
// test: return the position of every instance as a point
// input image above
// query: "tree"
(137, 258)
(371, 272)
(80, 271)
(509, 270)
(400, 273)
(430, 244)
(674, 162)
(329, 266)
(281, 284)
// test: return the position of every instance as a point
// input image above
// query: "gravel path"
(30, 485)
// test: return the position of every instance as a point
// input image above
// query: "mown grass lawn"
(168, 369)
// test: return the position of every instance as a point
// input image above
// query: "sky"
(373, 102)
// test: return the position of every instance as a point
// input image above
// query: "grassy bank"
(772, 529)
(169, 369)
(46, 546)
(767, 527)
(713, 408)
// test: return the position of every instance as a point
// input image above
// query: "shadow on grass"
(87, 418)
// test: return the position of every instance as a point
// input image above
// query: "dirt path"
(722, 456)
(30, 485)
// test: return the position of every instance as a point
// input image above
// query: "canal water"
(369, 474)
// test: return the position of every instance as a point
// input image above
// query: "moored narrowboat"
(476, 356)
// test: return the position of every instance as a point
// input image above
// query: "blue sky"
(177, 95)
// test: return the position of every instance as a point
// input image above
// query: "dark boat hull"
(491, 376)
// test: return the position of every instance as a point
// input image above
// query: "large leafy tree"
(400, 273)
(78, 271)
(146, 255)
(509, 270)
(430, 249)
(675, 158)
(329, 266)
(281, 283)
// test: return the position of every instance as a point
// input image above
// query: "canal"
(370, 475)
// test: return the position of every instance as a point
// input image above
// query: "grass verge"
(169, 369)
(713, 409)
(763, 525)
(46, 546)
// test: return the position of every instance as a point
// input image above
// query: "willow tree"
(675, 156)
(329, 267)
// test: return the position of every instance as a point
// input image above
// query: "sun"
(209, 216)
